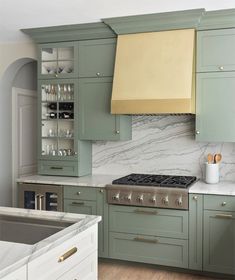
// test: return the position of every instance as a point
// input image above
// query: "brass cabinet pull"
(226, 216)
(77, 203)
(141, 239)
(138, 211)
(67, 254)
(36, 201)
(40, 201)
(57, 167)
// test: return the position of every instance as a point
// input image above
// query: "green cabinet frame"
(55, 75)
(97, 123)
(215, 110)
(195, 231)
(219, 242)
(215, 50)
(90, 201)
(96, 58)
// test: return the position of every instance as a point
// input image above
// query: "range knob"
(128, 197)
(153, 199)
(179, 201)
(140, 198)
(165, 200)
(116, 196)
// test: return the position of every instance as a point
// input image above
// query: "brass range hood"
(154, 73)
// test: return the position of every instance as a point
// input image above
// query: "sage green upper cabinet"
(215, 117)
(94, 112)
(96, 58)
(58, 60)
(215, 50)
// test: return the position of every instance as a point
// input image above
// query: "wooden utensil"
(217, 158)
(210, 158)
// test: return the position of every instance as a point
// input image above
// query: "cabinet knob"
(56, 75)
(223, 203)
(195, 197)
(197, 132)
(117, 132)
(221, 67)
(98, 74)
(78, 193)
(101, 191)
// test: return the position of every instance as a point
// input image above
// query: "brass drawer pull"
(138, 211)
(141, 239)
(67, 254)
(77, 203)
(56, 167)
(226, 216)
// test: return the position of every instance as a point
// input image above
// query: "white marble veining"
(161, 144)
(96, 180)
(15, 255)
(222, 188)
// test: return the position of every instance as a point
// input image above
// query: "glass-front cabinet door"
(58, 118)
(58, 60)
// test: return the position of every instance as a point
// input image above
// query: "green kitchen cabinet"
(96, 58)
(219, 242)
(149, 249)
(149, 235)
(58, 60)
(90, 201)
(215, 50)
(195, 231)
(215, 110)
(94, 112)
(60, 152)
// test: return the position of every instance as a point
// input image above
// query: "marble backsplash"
(161, 144)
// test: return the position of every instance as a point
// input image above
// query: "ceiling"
(15, 14)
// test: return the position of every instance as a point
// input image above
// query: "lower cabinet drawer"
(80, 206)
(58, 168)
(149, 221)
(149, 249)
(48, 267)
(85, 270)
(19, 274)
(219, 202)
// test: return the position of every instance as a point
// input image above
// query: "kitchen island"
(65, 247)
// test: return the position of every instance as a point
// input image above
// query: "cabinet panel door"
(195, 231)
(149, 221)
(97, 123)
(149, 249)
(58, 60)
(96, 58)
(219, 242)
(215, 110)
(80, 206)
(215, 50)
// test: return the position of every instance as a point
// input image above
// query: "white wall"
(26, 77)
(12, 58)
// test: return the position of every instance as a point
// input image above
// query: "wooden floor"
(116, 270)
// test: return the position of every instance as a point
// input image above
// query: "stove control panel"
(156, 197)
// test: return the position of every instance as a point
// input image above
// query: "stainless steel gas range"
(163, 191)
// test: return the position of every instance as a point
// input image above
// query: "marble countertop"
(221, 188)
(15, 255)
(95, 180)
(100, 181)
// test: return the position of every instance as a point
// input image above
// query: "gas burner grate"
(156, 180)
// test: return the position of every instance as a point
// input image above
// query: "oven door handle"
(36, 201)
(140, 211)
(40, 201)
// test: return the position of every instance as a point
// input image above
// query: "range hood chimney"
(154, 73)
